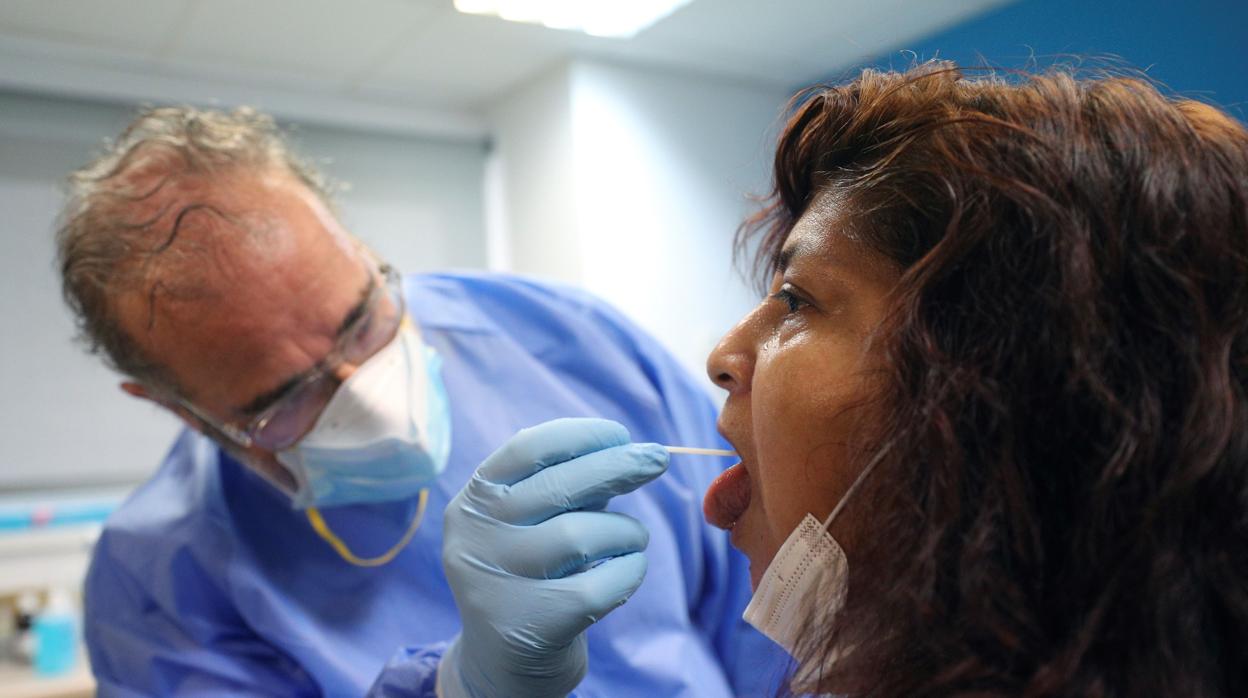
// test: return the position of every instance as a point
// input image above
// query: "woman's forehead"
(828, 237)
(818, 232)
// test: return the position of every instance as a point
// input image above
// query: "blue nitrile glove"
(534, 560)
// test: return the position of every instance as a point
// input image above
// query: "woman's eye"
(791, 300)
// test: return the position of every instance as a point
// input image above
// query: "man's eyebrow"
(257, 405)
(267, 398)
(357, 311)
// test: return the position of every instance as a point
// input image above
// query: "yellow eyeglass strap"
(322, 530)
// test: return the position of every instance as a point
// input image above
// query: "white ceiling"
(417, 65)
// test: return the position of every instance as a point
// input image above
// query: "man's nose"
(343, 371)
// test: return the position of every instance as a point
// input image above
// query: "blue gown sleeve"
(139, 649)
(139, 646)
(410, 673)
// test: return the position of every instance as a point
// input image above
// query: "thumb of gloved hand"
(533, 559)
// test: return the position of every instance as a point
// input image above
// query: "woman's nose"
(731, 363)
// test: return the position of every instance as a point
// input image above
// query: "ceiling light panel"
(619, 19)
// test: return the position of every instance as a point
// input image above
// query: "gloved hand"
(534, 560)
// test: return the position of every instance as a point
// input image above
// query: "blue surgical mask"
(384, 435)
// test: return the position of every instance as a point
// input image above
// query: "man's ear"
(137, 390)
(140, 391)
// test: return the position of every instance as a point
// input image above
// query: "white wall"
(661, 165)
(666, 163)
(63, 422)
(417, 202)
(532, 148)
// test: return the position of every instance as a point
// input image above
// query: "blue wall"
(1199, 48)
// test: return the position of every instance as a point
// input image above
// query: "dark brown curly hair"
(1061, 494)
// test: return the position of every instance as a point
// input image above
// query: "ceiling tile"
(468, 58)
(786, 42)
(402, 55)
(130, 26)
(327, 40)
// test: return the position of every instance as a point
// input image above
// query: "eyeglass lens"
(300, 410)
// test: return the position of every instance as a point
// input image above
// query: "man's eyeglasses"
(281, 423)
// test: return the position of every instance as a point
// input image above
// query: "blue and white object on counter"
(43, 511)
(55, 633)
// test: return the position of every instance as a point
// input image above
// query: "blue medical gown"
(206, 581)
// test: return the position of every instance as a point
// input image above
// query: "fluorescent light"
(613, 18)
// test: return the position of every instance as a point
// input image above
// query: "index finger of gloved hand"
(581, 483)
(570, 543)
(546, 444)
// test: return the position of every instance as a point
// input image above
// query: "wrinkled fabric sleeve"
(410, 673)
(138, 648)
(414, 673)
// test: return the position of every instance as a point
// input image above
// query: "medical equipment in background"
(55, 632)
(45, 545)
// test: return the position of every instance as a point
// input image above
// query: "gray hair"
(103, 250)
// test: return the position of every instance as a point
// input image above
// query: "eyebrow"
(800, 250)
(785, 258)
(269, 397)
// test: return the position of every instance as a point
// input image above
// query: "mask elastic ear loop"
(322, 529)
(854, 487)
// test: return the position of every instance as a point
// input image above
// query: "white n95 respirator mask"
(384, 434)
(807, 579)
(809, 568)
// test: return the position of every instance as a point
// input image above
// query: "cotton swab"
(692, 451)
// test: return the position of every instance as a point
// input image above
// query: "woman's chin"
(756, 575)
(741, 539)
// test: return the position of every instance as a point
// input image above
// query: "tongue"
(727, 497)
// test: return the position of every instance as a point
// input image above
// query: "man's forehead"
(235, 263)
(236, 272)
(224, 348)
(208, 228)
(204, 254)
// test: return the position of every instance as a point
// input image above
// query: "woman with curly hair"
(1005, 352)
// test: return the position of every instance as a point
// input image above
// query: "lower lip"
(727, 497)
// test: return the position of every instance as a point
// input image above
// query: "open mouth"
(727, 498)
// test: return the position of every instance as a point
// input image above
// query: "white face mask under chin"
(808, 579)
(809, 571)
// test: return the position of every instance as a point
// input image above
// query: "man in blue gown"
(205, 265)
